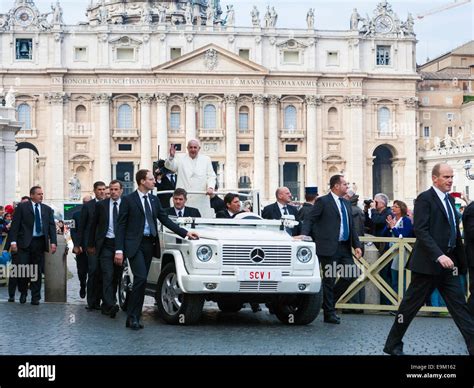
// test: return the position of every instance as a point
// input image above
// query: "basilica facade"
(271, 106)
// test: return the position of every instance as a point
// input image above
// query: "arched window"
(333, 124)
(210, 117)
(81, 114)
(244, 119)
(245, 182)
(290, 117)
(24, 115)
(384, 121)
(124, 117)
(175, 117)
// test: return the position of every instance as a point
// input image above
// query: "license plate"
(259, 275)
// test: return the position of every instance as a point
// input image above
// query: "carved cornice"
(355, 101)
(101, 98)
(258, 99)
(273, 99)
(56, 98)
(162, 98)
(313, 100)
(190, 98)
(230, 99)
(411, 102)
(146, 99)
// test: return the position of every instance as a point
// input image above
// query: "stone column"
(273, 144)
(145, 131)
(259, 146)
(8, 129)
(231, 142)
(104, 167)
(411, 157)
(162, 124)
(281, 175)
(190, 100)
(301, 182)
(220, 173)
(55, 153)
(312, 156)
(58, 40)
(357, 155)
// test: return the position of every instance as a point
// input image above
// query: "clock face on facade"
(24, 16)
(383, 24)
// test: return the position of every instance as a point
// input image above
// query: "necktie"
(149, 217)
(345, 224)
(38, 227)
(115, 216)
(285, 211)
(452, 225)
(180, 214)
(173, 179)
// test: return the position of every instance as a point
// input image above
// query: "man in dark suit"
(180, 209)
(33, 229)
(281, 208)
(310, 195)
(81, 257)
(165, 181)
(331, 226)
(137, 238)
(101, 243)
(232, 204)
(468, 223)
(94, 284)
(436, 261)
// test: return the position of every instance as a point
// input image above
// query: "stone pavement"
(70, 329)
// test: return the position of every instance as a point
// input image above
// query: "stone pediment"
(211, 58)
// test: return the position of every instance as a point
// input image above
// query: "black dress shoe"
(112, 312)
(132, 323)
(82, 292)
(23, 298)
(11, 299)
(332, 319)
(396, 351)
(35, 302)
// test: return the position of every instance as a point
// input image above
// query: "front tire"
(174, 306)
(125, 287)
(300, 310)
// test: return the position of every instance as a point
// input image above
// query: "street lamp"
(467, 167)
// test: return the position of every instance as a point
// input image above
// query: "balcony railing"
(292, 134)
(27, 133)
(211, 134)
(125, 134)
(176, 132)
(333, 133)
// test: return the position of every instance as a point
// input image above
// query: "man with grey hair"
(195, 173)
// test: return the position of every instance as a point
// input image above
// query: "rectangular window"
(244, 147)
(24, 49)
(125, 54)
(80, 54)
(450, 131)
(425, 101)
(124, 147)
(244, 53)
(243, 121)
(383, 56)
(175, 120)
(333, 58)
(291, 56)
(450, 116)
(175, 52)
(426, 131)
(426, 116)
(291, 148)
(177, 147)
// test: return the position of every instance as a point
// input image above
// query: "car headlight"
(304, 255)
(204, 253)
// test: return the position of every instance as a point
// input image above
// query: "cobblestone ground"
(72, 330)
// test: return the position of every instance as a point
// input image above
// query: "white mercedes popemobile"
(235, 261)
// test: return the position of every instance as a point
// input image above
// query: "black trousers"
(470, 302)
(420, 288)
(32, 256)
(140, 265)
(94, 281)
(332, 291)
(111, 273)
(13, 281)
(82, 268)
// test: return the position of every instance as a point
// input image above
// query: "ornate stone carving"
(56, 97)
(230, 99)
(101, 98)
(190, 98)
(310, 19)
(355, 101)
(411, 102)
(313, 100)
(210, 59)
(273, 99)
(258, 99)
(162, 98)
(145, 99)
(255, 17)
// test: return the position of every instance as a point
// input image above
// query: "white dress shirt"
(110, 230)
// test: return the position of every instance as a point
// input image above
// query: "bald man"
(281, 208)
(437, 261)
(195, 173)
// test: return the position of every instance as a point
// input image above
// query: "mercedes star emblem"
(257, 255)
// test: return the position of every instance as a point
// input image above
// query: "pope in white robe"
(195, 173)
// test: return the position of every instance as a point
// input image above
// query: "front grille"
(275, 255)
(259, 286)
(228, 273)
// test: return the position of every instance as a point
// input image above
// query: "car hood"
(243, 234)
